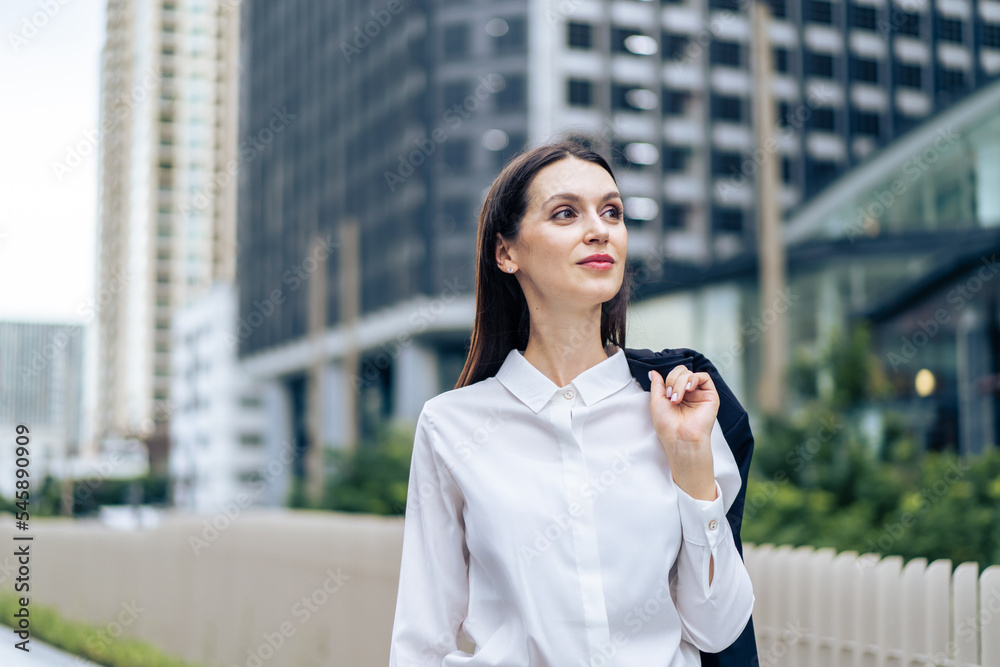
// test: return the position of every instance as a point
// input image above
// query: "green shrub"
(84, 640)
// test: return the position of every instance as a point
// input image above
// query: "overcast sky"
(50, 69)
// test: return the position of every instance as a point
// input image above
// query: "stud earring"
(510, 269)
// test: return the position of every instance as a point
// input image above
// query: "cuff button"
(713, 524)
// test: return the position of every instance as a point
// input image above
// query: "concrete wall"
(322, 586)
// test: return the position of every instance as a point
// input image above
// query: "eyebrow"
(576, 198)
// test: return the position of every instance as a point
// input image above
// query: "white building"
(217, 449)
(167, 220)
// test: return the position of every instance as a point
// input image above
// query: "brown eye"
(565, 210)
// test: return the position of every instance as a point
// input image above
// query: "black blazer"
(735, 423)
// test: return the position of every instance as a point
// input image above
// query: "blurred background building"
(41, 388)
(167, 218)
(403, 119)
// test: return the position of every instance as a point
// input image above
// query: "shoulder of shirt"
(471, 397)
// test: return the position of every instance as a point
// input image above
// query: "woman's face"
(574, 211)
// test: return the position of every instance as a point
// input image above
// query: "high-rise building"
(41, 387)
(357, 215)
(167, 196)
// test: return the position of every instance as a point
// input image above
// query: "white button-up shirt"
(543, 522)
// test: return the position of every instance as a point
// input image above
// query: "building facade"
(41, 389)
(357, 218)
(218, 450)
(167, 209)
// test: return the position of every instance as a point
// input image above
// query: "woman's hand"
(683, 419)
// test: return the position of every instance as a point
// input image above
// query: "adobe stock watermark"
(454, 116)
(302, 610)
(750, 165)
(248, 150)
(898, 16)
(35, 23)
(915, 167)
(294, 277)
(371, 29)
(756, 326)
(892, 532)
(958, 296)
(230, 511)
(560, 523)
(117, 111)
(419, 320)
(760, 493)
(100, 639)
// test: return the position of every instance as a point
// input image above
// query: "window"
(456, 40)
(906, 23)
(674, 45)
(579, 93)
(731, 5)
(725, 163)
(675, 102)
(675, 216)
(780, 58)
(675, 158)
(455, 153)
(949, 30)
(512, 97)
(781, 112)
(862, 17)
(819, 173)
(866, 123)
(724, 53)
(726, 107)
(515, 145)
(456, 212)
(579, 35)
(454, 93)
(786, 170)
(778, 9)
(512, 41)
(820, 11)
(626, 97)
(618, 37)
(863, 69)
(823, 118)
(727, 219)
(820, 64)
(990, 35)
(250, 401)
(950, 80)
(251, 439)
(908, 76)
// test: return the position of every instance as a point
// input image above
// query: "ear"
(502, 254)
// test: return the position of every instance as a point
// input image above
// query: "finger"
(656, 386)
(680, 385)
(671, 381)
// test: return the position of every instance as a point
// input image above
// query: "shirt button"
(569, 394)
(713, 524)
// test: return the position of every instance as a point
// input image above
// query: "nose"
(598, 227)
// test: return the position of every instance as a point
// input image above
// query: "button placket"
(569, 429)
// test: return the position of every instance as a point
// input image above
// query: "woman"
(557, 516)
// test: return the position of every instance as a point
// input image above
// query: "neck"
(563, 346)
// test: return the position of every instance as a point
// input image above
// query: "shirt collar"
(534, 388)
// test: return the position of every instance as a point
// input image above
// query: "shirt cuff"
(703, 522)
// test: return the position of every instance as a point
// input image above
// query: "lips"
(599, 259)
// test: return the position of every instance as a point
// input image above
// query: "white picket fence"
(818, 608)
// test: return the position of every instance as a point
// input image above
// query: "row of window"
(721, 52)
(580, 92)
(456, 152)
(508, 36)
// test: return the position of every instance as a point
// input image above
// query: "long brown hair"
(502, 319)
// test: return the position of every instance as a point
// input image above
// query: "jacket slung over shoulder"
(735, 424)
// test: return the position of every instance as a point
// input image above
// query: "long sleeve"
(433, 596)
(712, 616)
